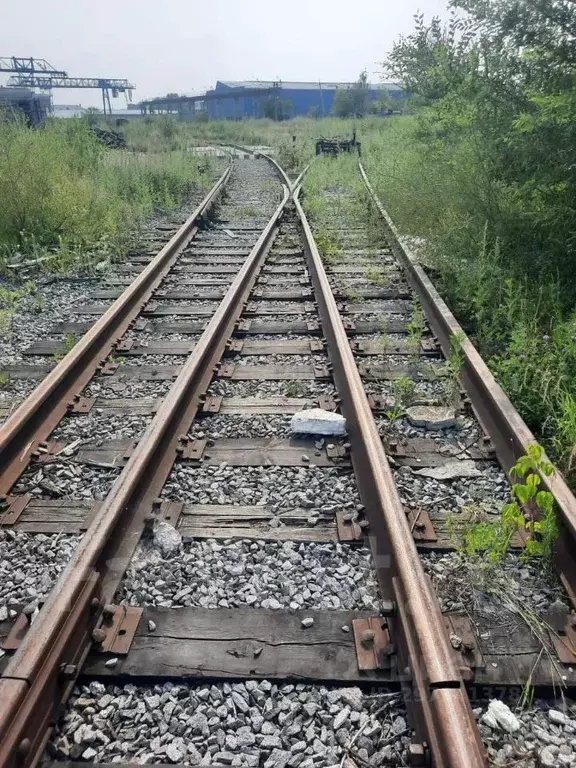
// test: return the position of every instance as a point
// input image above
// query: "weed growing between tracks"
(63, 193)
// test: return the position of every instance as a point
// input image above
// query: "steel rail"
(35, 419)
(41, 674)
(431, 682)
(507, 430)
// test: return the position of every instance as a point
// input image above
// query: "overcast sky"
(186, 45)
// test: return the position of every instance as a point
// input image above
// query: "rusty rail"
(432, 685)
(35, 419)
(41, 674)
(500, 420)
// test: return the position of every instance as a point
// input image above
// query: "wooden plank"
(196, 521)
(141, 405)
(392, 307)
(208, 269)
(46, 347)
(7, 408)
(20, 371)
(226, 521)
(241, 643)
(156, 309)
(225, 248)
(160, 348)
(286, 294)
(114, 293)
(58, 347)
(208, 255)
(76, 329)
(186, 277)
(415, 371)
(109, 453)
(258, 326)
(202, 530)
(89, 309)
(355, 268)
(275, 373)
(236, 452)
(144, 372)
(393, 293)
(215, 294)
(265, 308)
(286, 270)
(267, 451)
(179, 327)
(265, 405)
(388, 345)
(281, 347)
(54, 516)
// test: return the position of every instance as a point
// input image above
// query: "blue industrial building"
(254, 98)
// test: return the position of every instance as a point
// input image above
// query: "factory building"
(24, 103)
(234, 100)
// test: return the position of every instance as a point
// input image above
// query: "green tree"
(352, 102)
(276, 108)
(342, 106)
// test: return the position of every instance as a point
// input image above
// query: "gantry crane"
(38, 73)
(28, 65)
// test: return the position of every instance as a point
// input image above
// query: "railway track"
(284, 571)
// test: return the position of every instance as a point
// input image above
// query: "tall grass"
(490, 266)
(61, 189)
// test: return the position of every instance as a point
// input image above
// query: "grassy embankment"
(62, 192)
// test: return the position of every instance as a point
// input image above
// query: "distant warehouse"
(234, 100)
(293, 99)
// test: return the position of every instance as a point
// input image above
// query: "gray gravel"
(65, 479)
(489, 491)
(273, 575)
(545, 735)
(253, 388)
(104, 386)
(29, 566)
(94, 426)
(241, 426)
(276, 488)
(252, 723)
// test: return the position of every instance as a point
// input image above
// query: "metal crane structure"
(38, 73)
(28, 65)
(105, 84)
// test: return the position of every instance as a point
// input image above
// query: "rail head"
(434, 686)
